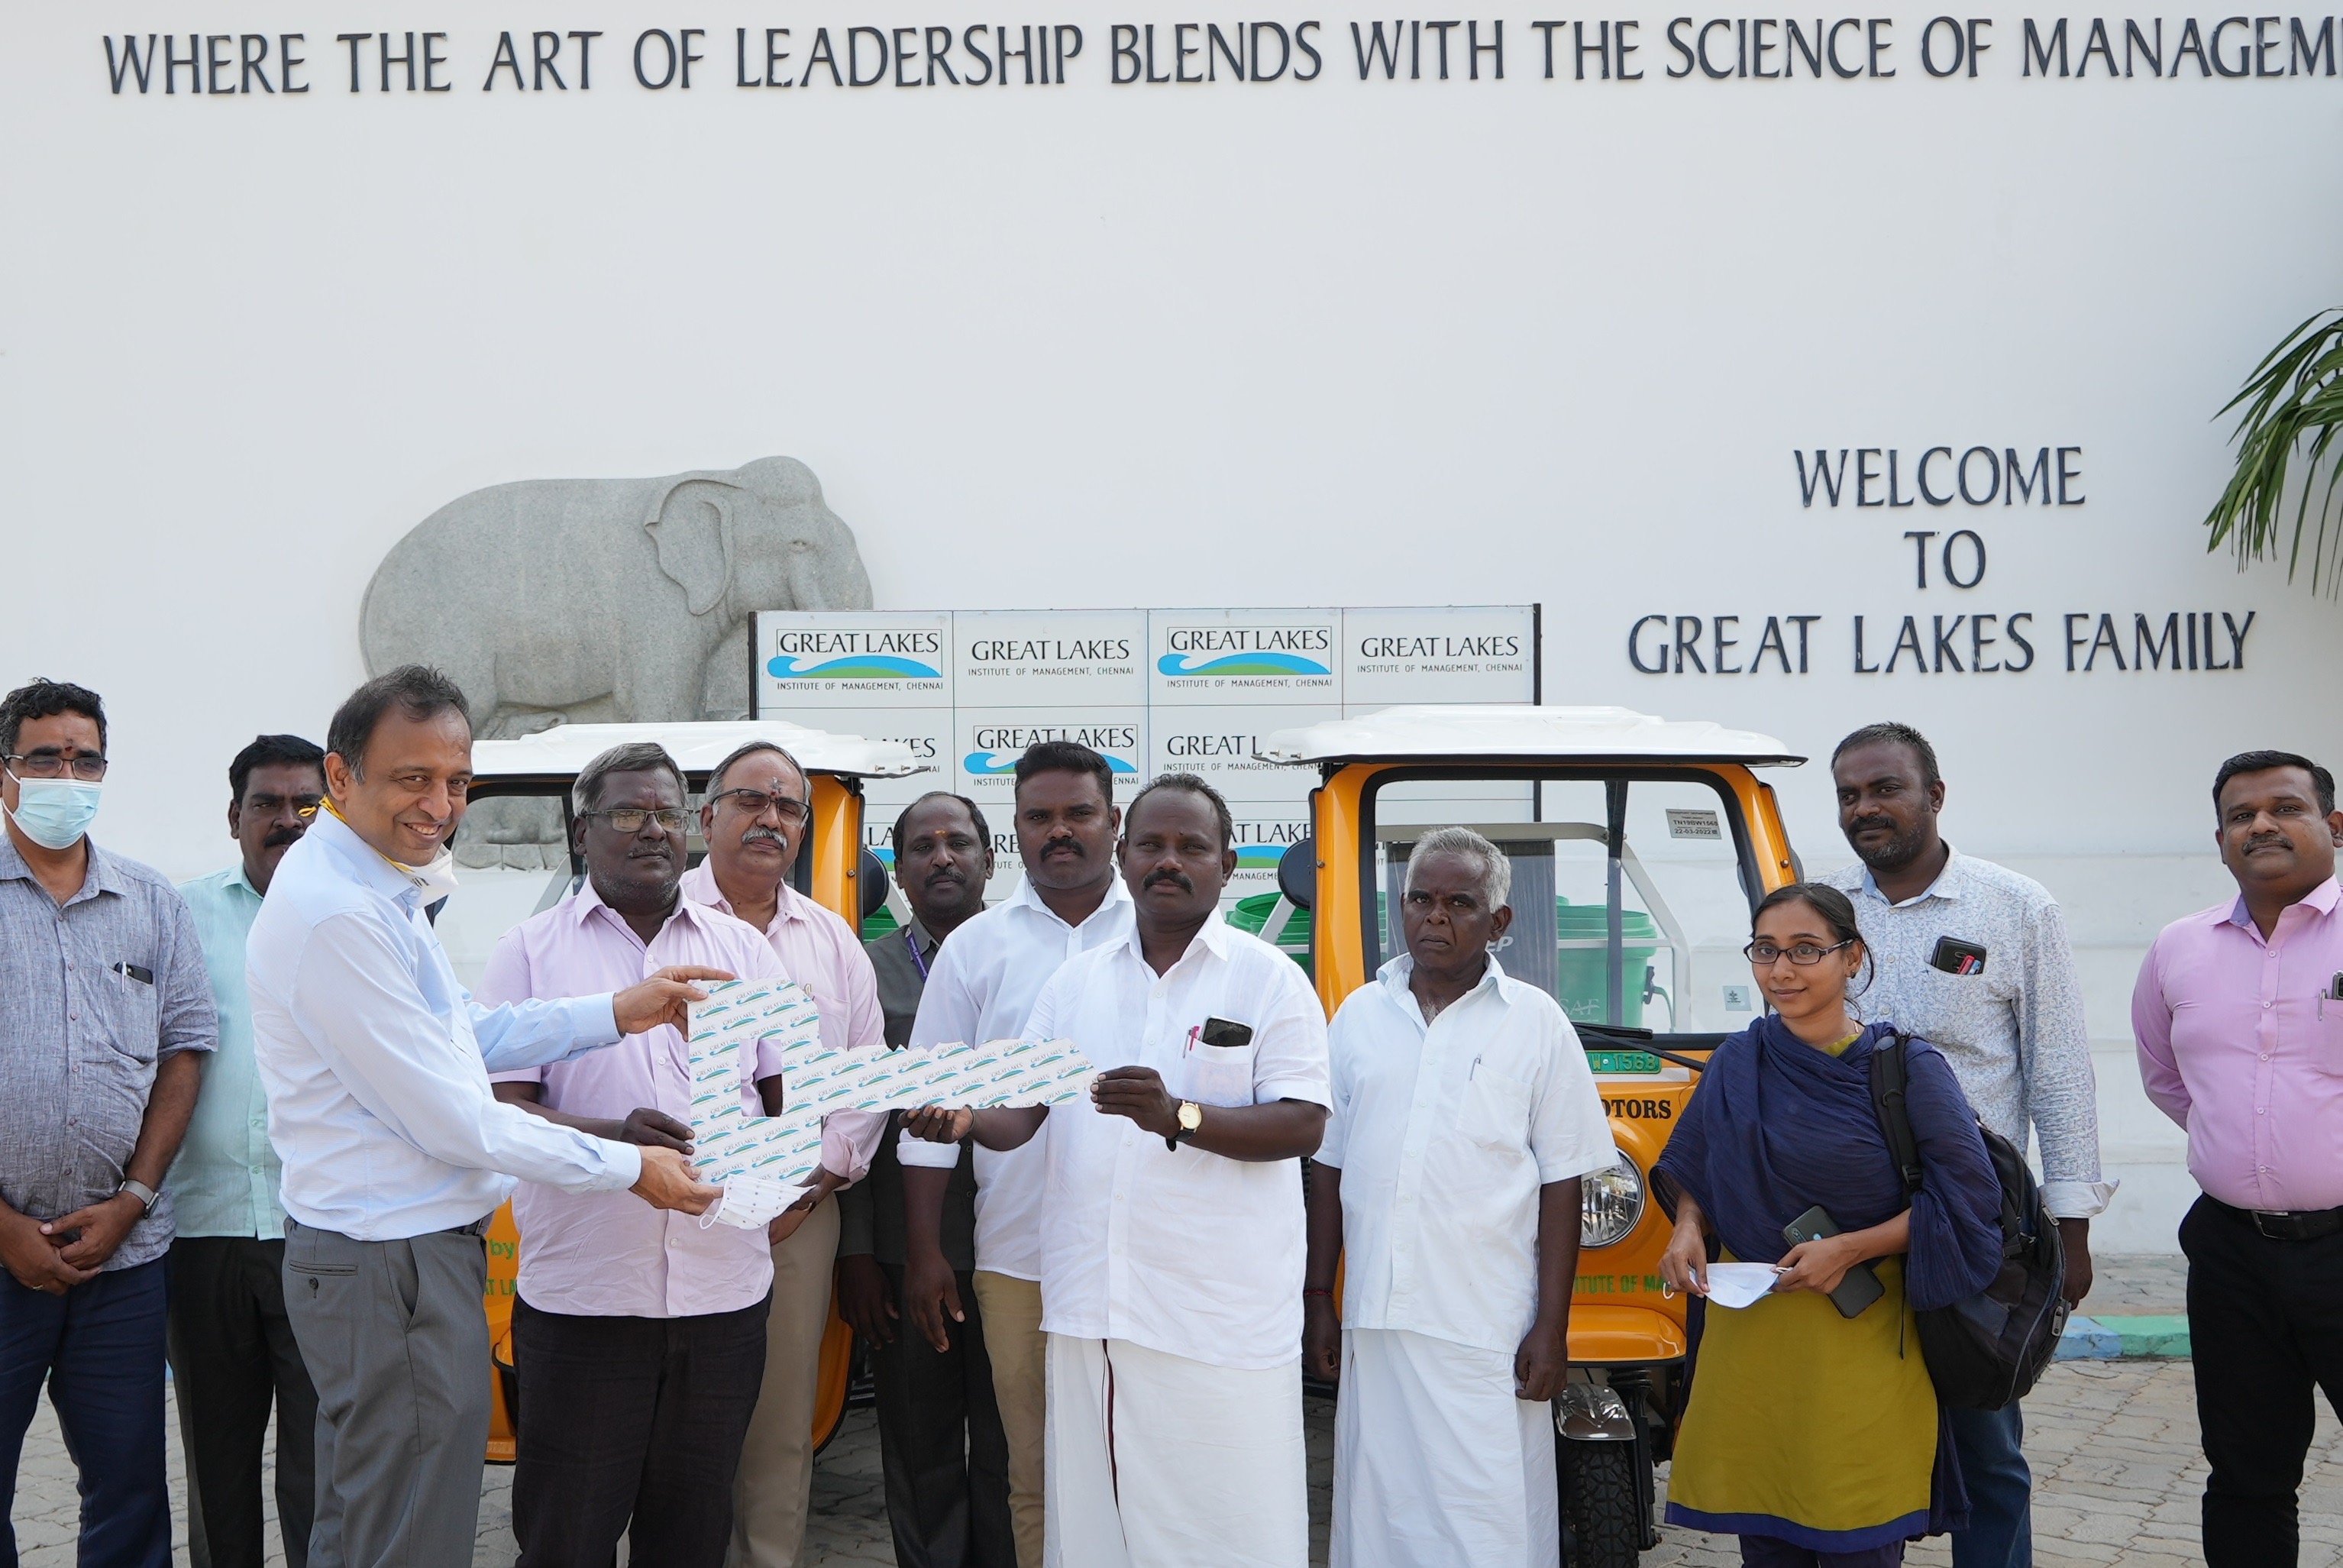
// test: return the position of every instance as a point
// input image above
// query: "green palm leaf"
(2293, 406)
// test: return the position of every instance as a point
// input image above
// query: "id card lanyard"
(917, 958)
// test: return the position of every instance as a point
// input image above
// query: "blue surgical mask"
(55, 813)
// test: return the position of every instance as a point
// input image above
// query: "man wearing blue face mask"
(105, 1011)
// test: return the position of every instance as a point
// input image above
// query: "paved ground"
(2114, 1445)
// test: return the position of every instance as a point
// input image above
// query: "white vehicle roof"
(560, 752)
(1518, 731)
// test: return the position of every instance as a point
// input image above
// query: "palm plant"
(2293, 406)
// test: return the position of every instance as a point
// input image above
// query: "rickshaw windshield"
(1631, 894)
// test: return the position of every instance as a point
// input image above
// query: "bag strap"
(1890, 1079)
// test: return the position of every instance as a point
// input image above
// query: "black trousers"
(2266, 1326)
(940, 1438)
(632, 1426)
(234, 1360)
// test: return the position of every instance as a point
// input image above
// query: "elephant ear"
(691, 521)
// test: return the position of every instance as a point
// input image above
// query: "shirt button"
(2266, 1056)
(2261, 1111)
(74, 1016)
(2268, 1004)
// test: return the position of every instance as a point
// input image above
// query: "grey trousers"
(395, 1340)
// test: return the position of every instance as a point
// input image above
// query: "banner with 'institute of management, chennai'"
(1153, 691)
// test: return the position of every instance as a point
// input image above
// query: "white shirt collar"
(365, 863)
(1945, 886)
(1394, 977)
(1117, 892)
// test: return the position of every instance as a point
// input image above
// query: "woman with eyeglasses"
(1813, 1432)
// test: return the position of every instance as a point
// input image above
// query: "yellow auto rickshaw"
(832, 868)
(1638, 847)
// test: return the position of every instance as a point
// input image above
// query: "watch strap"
(146, 1196)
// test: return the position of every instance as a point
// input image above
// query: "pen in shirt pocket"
(1193, 1035)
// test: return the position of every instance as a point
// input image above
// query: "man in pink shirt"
(2238, 1014)
(754, 818)
(638, 1335)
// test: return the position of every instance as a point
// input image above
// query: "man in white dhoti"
(1171, 1221)
(1464, 1115)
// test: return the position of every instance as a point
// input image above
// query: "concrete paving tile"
(2114, 1444)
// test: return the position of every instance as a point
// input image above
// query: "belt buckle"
(2262, 1222)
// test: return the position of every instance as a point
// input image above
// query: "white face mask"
(55, 813)
(435, 881)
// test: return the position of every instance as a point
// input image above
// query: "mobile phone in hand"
(1861, 1287)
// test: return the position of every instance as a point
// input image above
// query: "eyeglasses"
(49, 765)
(756, 803)
(630, 819)
(1803, 954)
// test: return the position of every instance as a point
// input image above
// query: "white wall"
(1336, 343)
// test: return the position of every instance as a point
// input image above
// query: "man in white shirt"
(1171, 1224)
(1464, 1116)
(982, 989)
(394, 1151)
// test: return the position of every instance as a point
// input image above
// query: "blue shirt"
(94, 994)
(224, 1182)
(376, 1062)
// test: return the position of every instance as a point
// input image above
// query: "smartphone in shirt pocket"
(1218, 1064)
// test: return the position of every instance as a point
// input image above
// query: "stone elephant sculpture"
(608, 600)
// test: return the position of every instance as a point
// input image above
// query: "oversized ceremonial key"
(732, 1143)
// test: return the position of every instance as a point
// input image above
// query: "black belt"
(479, 1227)
(2289, 1224)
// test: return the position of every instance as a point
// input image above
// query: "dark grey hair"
(635, 757)
(1187, 784)
(417, 690)
(1496, 871)
(715, 780)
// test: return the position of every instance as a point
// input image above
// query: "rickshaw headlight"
(1609, 1202)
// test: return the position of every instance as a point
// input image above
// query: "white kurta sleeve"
(1570, 1134)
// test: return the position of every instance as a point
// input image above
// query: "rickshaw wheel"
(1605, 1497)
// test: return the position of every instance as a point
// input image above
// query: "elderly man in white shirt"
(395, 1150)
(1171, 1224)
(1464, 1115)
(985, 979)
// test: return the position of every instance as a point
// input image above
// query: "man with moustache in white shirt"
(1171, 1224)
(982, 988)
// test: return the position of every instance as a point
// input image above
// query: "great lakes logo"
(826, 654)
(1242, 650)
(997, 747)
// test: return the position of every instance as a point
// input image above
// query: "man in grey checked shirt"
(1972, 957)
(106, 1011)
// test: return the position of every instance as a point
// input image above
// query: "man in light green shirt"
(233, 1355)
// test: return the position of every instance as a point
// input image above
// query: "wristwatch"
(146, 1196)
(1191, 1116)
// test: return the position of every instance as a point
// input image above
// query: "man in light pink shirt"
(638, 1335)
(755, 816)
(2238, 1014)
